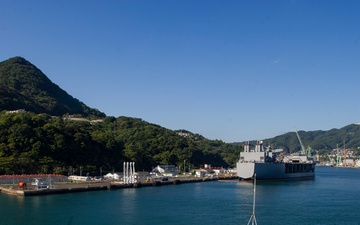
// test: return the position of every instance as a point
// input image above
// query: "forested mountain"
(44, 140)
(324, 141)
(40, 143)
(23, 86)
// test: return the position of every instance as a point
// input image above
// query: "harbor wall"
(97, 186)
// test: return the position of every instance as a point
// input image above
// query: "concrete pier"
(97, 186)
(58, 189)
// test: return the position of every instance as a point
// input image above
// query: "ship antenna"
(252, 220)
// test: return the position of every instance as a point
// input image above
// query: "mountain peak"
(18, 60)
(24, 86)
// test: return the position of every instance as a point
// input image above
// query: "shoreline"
(104, 185)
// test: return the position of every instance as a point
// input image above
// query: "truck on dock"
(39, 183)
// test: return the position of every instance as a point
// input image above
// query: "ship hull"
(275, 171)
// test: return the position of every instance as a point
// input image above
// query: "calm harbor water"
(332, 197)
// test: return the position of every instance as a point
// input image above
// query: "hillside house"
(17, 111)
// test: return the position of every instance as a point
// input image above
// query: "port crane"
(332, 161)
(303, 151)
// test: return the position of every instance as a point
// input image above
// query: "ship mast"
(252, 220)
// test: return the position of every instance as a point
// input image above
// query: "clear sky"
(229, 70)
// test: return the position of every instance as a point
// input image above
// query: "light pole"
(184, 166)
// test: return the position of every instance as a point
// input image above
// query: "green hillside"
(23, 86)
(39, 143)
(42, 140)
(322, 141)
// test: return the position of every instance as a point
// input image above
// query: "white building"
(79, 178)
(112, 176)
(348, 162)
(165, 170)
(17, 111)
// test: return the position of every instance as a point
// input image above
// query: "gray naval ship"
(269, 164)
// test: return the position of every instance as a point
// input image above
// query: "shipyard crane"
(332, 161)
(302, 146)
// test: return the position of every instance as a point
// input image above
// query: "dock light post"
(184, 166)
(127, 172)
(124, 172)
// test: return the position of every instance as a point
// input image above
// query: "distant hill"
(24, 86)
(317, 140)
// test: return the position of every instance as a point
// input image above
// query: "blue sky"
(228, 70)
